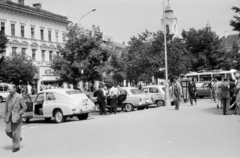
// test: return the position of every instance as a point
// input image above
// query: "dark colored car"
(202, 89)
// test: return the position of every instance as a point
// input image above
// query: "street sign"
(161, 69)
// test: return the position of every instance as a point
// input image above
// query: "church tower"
(171, 21)
(208, 27)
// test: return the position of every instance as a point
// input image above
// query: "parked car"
(134, 99)
(58, 104)
(202, 89)
(156, 92)
(3, 92)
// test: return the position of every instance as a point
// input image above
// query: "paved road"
(193, 131)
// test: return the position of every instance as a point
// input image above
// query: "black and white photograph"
(119, 79)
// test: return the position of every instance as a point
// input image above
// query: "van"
(3, 91)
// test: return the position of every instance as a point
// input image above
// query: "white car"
(3, 92)
(58, 104)
(156, 92)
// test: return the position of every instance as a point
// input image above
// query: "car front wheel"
(25, 119)
(59, 116)
(128, 107)
(159, 103)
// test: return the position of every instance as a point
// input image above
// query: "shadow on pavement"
(216, 111)
(8, 147)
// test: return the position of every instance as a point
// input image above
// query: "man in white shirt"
(114, 92)
(218, 93)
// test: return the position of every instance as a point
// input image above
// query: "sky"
(123, 19)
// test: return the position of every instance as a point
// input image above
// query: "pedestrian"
(218, 93)
(29, 89)
(140, 87)
(15, 107)
(225, 96)
(232, 87)
(214, 89)
(114, 92)
(192, 90)
(101, 100)
(237, 93)
(122, 97)
(176, 93)
(210, 86)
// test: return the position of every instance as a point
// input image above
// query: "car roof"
(61, 91)
(160, 86)
(129, 88)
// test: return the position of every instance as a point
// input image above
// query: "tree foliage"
(82, 57)
(205, 48)
(235, 22)
(3, 42)
(17, 68)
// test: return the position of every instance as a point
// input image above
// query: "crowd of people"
(226, 93)
(113, 96)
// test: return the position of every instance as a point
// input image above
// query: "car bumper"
(145, 103)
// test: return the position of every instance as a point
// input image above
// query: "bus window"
(219, 76)
(205, 77)
(195, 77)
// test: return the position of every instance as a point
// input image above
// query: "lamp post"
(167, 96)
(86, 15)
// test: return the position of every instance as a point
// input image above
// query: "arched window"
(167, 29)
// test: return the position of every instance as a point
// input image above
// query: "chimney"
(226, 34)
(123, 43)
(37, 5)
(21, 2)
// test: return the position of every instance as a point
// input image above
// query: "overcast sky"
(122, 19)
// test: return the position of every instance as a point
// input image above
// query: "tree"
(205, 48)
(82, 57)
(16, 68)
(235, 22)
(3, 42)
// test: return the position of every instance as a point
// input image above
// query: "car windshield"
(135, 91)
(71, 92)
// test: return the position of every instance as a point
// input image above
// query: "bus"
(209, 75)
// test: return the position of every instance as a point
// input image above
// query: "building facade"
(35, 32)
(171, 22)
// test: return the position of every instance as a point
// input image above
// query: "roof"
(168, 8)
(34, 11)
(119, 45)
(208, 25)
(228, 41)
(154, 86)
(61, 91)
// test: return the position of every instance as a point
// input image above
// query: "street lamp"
(86, 15)
(167, 96)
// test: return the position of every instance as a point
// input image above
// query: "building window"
(56, 36)
(43, 55)
(167, 29)
(13, 29)
(49, 35)
(22, 31)
(3, 26)
(14, 50)
(64, 37)
(50, 56)
(42, 34)
(23, 51)
(32, 32)
(34, 54)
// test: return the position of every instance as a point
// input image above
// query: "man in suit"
(192, 91)
(101, 100)
(114, 93)
(225, 95)
(15, 107)
(176, 93)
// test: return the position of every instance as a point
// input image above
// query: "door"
(29, 103)
(49, 104)
(38, 105)
(154, 92)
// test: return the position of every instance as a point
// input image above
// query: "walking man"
(122, 97)
(225, 95)
(232, 87)
(176, 93)
(218, 93)
(114, 92)
(101, 100)
(15, 107)
(237, 93)
(192, 91)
